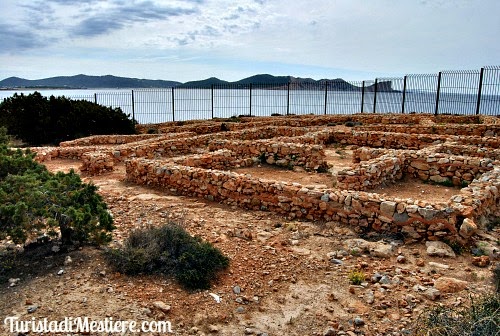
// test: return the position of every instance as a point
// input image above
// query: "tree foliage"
(38, 120)
(35, 202)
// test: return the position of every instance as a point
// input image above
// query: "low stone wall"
(214, 125)
(481, 198)
(456, 149)
(444, 168)
(74, 153)
(380, 166)
(107, 140)
(96, 163)
(490, 120)
(368, 153)
(290, 155)
(470, 129)
(364, 211)
(373, 173)
(222, 159)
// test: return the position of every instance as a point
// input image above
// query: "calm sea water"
(160, 105)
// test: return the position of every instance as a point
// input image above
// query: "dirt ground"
(288, 284)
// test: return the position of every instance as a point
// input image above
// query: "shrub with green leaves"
(35, 202)
(171, 251)
(481, 318)
(38, 120)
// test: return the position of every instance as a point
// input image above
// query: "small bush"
(171, 251)
(356, 277)
(482, 318)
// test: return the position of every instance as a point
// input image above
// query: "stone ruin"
(195, 158)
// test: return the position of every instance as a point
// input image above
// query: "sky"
(185, 40)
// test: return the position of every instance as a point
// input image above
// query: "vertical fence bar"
(250, 99)
(173, 105)
(326, 95)
(133, 106)
(375, 96)
(363, 97)
(288, 99)
(404, 96)
(480, 91)
(212, 99)
(95, 98)
(436, 111)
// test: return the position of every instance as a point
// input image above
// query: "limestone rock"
(468, 228)
(449, 285)
(439, 249)
(382, 250)
(432, 294)
(162, 306)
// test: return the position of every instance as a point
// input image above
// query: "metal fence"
(464, 92)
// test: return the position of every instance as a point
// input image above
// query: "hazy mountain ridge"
(86, 82)
(108, 81)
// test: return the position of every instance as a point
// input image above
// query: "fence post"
(250, 99)
(437, 94)
(375, 96)
(480, 91)
(404, 95)
(95, 98)
(212, 98)
(288, 99)
(133, 106)
(173, 105)
(326, 95)
(363, 97)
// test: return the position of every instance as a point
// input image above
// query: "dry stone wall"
(465, 129)
(290, 155)
(417, 219)
(180, 161)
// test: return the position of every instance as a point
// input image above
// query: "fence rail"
(463, 92)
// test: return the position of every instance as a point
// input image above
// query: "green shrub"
(171, 251)
(481, 318)
(35, 202)
(37, 120)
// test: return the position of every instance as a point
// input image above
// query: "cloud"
(117, 17)
(13, 39)
(96, 26)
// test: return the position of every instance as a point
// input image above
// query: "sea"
(162, 105)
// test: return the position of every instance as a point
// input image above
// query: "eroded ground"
(289, 285)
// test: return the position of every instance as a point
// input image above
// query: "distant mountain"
(84, 81)
(279, 82)
(265, 79)
(205, 83)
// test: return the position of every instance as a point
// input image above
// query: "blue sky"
(187, 40)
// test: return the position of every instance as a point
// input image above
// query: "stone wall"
(465, 129)
(445, 168)
(222, 159)
(364, 211)
(373, 173)
(378, 167)
(107, 140)
(290, 155)
(214, 125)
(96, 163)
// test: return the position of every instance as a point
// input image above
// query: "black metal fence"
(448, 92)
